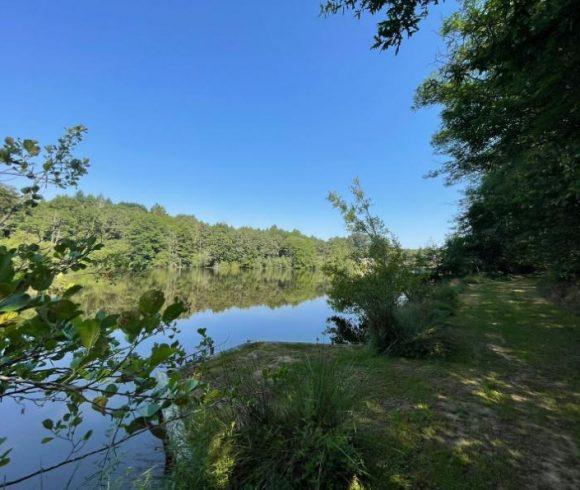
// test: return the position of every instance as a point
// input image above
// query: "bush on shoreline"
(286, 427)
(387, 294)
(420, 322)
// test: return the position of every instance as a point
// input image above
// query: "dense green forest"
(509, 93)
(136, 238)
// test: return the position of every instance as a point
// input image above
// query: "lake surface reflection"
(234, 307)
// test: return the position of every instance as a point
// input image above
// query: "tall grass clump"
(383, 289)
(290, 427)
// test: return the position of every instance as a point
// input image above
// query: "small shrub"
(287, 428)
(370, 283)
(425, 320)
(422, 338)
(303, 435)
(420, 324)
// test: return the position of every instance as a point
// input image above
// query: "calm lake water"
(235, 308)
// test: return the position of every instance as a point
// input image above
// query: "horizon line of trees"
(138, 238)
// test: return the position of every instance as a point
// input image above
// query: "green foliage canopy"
(402, 17)
(136, 238)
(509, 89)
(509, 92)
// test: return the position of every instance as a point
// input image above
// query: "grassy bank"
(502, 412)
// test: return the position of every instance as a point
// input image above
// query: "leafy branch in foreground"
(51, 352)
(58, 167)
(402, 17)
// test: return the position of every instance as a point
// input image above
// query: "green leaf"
(89, 331)
(61, 247)
(72, 290)
(150, 410)
(88, 435)
(191, 384)
(135, 425)
(14, 302)
(31, 147)
(6, 267)
(48, 424)
(100, 403)
(173, 311)
(151, 302)
(41, 280)
(111, 389)
(64, 309)
(109, 321)
(130, 323)
(160, 353)
(181, 400)
(46, 440)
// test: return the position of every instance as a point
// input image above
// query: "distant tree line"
(137, 238)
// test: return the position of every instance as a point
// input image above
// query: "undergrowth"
(421, 324)
(286, 427)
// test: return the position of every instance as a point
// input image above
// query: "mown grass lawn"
(503, 411)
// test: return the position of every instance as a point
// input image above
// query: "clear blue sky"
(246, 112)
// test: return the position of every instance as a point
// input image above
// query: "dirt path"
(516, 398)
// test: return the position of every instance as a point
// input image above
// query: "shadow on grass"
(504, 413)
